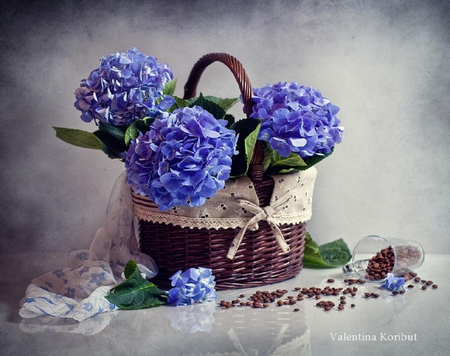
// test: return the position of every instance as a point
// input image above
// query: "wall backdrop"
(386, 64)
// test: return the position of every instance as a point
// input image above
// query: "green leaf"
(248, 131)
(78, 138)
(131, 133)
(114, 131)
(179, 103)
(292, 161)
(169, 88)
(226, 104)
(329, 255)
(311, 161)
(137, 128)
(110, 145)
(335, 253)
(130, 268)
(210, 106)
(136, 292)
(230, 118)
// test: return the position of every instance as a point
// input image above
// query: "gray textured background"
(385, 63)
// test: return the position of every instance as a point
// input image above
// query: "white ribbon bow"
(267, 213)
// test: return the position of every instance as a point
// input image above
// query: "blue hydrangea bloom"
(393, 283)
(125, 87)
(296, 119)
(183, 159)
(194, 285)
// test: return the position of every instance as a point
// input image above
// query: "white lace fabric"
(228, 209)
(78, 290)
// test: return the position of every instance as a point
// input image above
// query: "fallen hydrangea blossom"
(393, 283)
(195, 285)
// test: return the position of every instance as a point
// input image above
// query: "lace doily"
(292, 195)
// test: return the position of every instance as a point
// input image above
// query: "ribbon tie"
(267, 213)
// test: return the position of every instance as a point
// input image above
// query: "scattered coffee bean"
(262, 299)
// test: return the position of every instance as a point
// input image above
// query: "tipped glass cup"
(408, 256)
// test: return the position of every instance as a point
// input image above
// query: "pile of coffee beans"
(380, 264)
(282, 297)
(383, 262)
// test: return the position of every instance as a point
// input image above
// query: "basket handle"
(256, 169)
(236, 68)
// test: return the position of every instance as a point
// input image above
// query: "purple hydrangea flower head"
(183, 159)
(296, 119)
(194, 285)
(125, 87)
(393, 283)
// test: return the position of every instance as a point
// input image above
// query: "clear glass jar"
(375, 256)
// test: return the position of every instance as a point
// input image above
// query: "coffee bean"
(296, 309)
(330, 280)
(424, 287)
(434, 286)
(352, 305)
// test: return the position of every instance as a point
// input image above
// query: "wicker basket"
(259, 259)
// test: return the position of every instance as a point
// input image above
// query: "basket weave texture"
(259, 259)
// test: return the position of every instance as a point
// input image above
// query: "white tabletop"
(416, 323)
